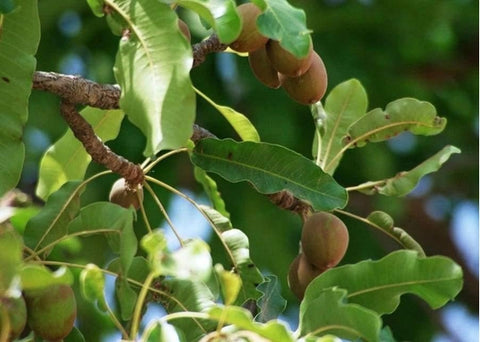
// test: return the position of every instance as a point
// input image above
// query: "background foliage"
(388, 45)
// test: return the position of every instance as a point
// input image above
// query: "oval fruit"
(300, 274)
(51, 311)
(184, 29)
(285, 62)
(16, 310)
(250, 39)
(324, 240)
(262, 68)
(310, 87)
(124, 196)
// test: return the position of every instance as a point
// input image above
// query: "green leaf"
(75, 335)
(19, 38)
(34, 277)
(374, 285)
(126, 298)
(330, 313)
(210, 188)
(92, 285)
(407, 114)
(11, 254)
(404, 182)
(285, 23)
(152, 68)
(242, 319)
(97, 7)
(115, 222)
(384, 222)
(238, 245)
(67, 159)
(386, 335)
(238, 121)
(230, 284)
(270, 168)
(138, 271)
(6, 6)
(220, 15)
(345, 104)
(50, 224)
(161, 332)
(271, 304)
(220, 221)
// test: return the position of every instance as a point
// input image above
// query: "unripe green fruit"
(310, 87)
(124, 196)
(184, 29)
(250, 39)
(262, 68)
(300, 274)
(16, 311)
(324, 240)
(51, 311)
(285, 62)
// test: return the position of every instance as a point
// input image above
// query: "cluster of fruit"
(323, 244)
(50, 312)
(304, 79)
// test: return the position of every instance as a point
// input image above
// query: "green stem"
(137, 313)
(148, 168)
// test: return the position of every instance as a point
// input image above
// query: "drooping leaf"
(373, 285)
(404, 182)
(152, 68)
(271, 304)
(384, 222)
(238, 121)
(115, 222)
(67, 160)
(92, 285)
(210, 188)
(345, 104)
(34, 276)
(220, 15)
(19, 38)
(407, 114)
(330, 313)
(219, 220)
(243, 320)
(97, 7)
(237, 243)
(270, 168)
(230, 284)
(50, 224)
(10, 257)
(158, 331)
(285, 23)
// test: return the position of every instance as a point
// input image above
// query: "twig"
(201, 50)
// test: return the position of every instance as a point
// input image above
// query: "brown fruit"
(262, 68)
(16, 311)
(250, 39)
(324, 240)
(300, 274)
(285, 62)
(184, 29)
(124, 196)
(311, 86)
(51, 311)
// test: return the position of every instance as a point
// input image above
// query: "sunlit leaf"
(271, 304)
(10, 257)
(67, 160)
(211, 190)
(152, 68)
(92, 285)
(270, 168)
(220, 221)
(230, 284)
(161, 332)
(240, 123)
(373, 285)
(35, 276)
(330, 313)
(404, 182)
(19, 38)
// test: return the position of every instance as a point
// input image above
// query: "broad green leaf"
(75, 335)
(242, 319)
(67, 160)
(271, 304)
(238, 245)
(238, 121)
(19, 38)
(345, 104)
(270, 168)
(407, 114)
(97, 7)
(50, 224)
(404, 182)
(384, 222)
(161, 332)
(330, 313)
(230, 284)
(280, 21)
(155, 244)
(220, 15)
(92, 285)
(10, 257)
(210, 188)
(152, 68)
(372, 284)
(113, 221)
(34, 277)
(221, 222)
(126, 298)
